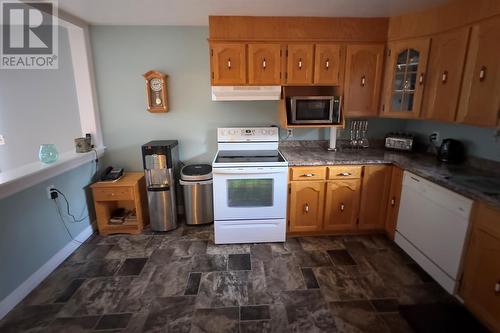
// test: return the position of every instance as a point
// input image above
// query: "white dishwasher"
(432, 227)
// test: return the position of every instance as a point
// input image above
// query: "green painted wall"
(31, 230)
(479, 142)
(123, 54)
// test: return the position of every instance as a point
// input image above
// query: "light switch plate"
(2, 140)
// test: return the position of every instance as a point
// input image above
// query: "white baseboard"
(9, 302)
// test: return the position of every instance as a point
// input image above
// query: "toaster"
(397, 141)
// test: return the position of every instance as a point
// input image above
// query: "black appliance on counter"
(451, 151)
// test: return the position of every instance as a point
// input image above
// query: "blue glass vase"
(48, 153)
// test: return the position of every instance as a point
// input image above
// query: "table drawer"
(113, 194)
(344, 172)
(308, 173)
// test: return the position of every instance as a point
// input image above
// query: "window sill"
(16, 180)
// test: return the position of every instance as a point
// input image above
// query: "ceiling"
(195, 12)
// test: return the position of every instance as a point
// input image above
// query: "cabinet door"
(405, 77)
(341, 205)
(300, 64)
(264, 64)
(374, 195)
(480, 97)
(393, 201)
(306, 206)
(481, 282)
(444, 78)
(228, 63)
(328, 64)
(363, 79)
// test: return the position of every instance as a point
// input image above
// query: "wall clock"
(156, 91)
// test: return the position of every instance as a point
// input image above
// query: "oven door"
(249, 193)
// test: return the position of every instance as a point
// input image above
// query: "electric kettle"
(451, 151)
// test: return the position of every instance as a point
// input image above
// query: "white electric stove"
(250, 186)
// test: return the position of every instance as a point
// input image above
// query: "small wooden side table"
(128, 192)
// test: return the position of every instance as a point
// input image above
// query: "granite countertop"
(308, 153)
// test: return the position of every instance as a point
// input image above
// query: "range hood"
(246, 93)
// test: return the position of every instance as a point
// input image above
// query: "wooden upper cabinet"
(480, 287)
(342, 205)
(328, 64)
(404, 78)
(306, 206)
(374, 195)
(228, 62)
(363, 79)
(300, 64)
(480, 97)
(264, 64)
(394, 201)
(444, 78)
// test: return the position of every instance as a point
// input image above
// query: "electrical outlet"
(49, 189)
(289, 133)
(437, 138)
(2, 140)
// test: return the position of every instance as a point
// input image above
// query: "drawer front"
(344, 172)
(308, 173)
(112, 194)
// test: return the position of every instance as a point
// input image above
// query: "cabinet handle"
(363, 81)
(444, 77)
(393, 201)
(300, 63)
(421, 78)
(327, 63)
(264, 63)
(342, 207)
(229, 63)
(344, 174)
(306, 208)
(497, 288)
(482, 73)
(308, 175)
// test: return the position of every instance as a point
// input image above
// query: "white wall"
(38, 106)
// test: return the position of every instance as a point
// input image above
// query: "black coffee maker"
(451, 151)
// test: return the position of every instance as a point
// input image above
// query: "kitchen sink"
(487, 185)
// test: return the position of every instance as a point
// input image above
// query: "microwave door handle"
(293, 109)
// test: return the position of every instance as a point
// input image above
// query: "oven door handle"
(247, 171)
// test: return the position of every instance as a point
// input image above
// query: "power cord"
(54, 194)
(68, 211)
(64, 224)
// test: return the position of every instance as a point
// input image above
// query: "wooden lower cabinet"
(394, 201)
(306, 206)
(341, 205)
(480, 287)
(344, 199)
(374, 196)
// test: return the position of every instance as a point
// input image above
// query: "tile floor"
(181, 282)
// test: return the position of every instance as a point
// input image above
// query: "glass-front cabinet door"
(405, 78)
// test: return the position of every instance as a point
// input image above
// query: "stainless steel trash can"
(196, 181)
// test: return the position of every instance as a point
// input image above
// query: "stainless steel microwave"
(314, 110)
